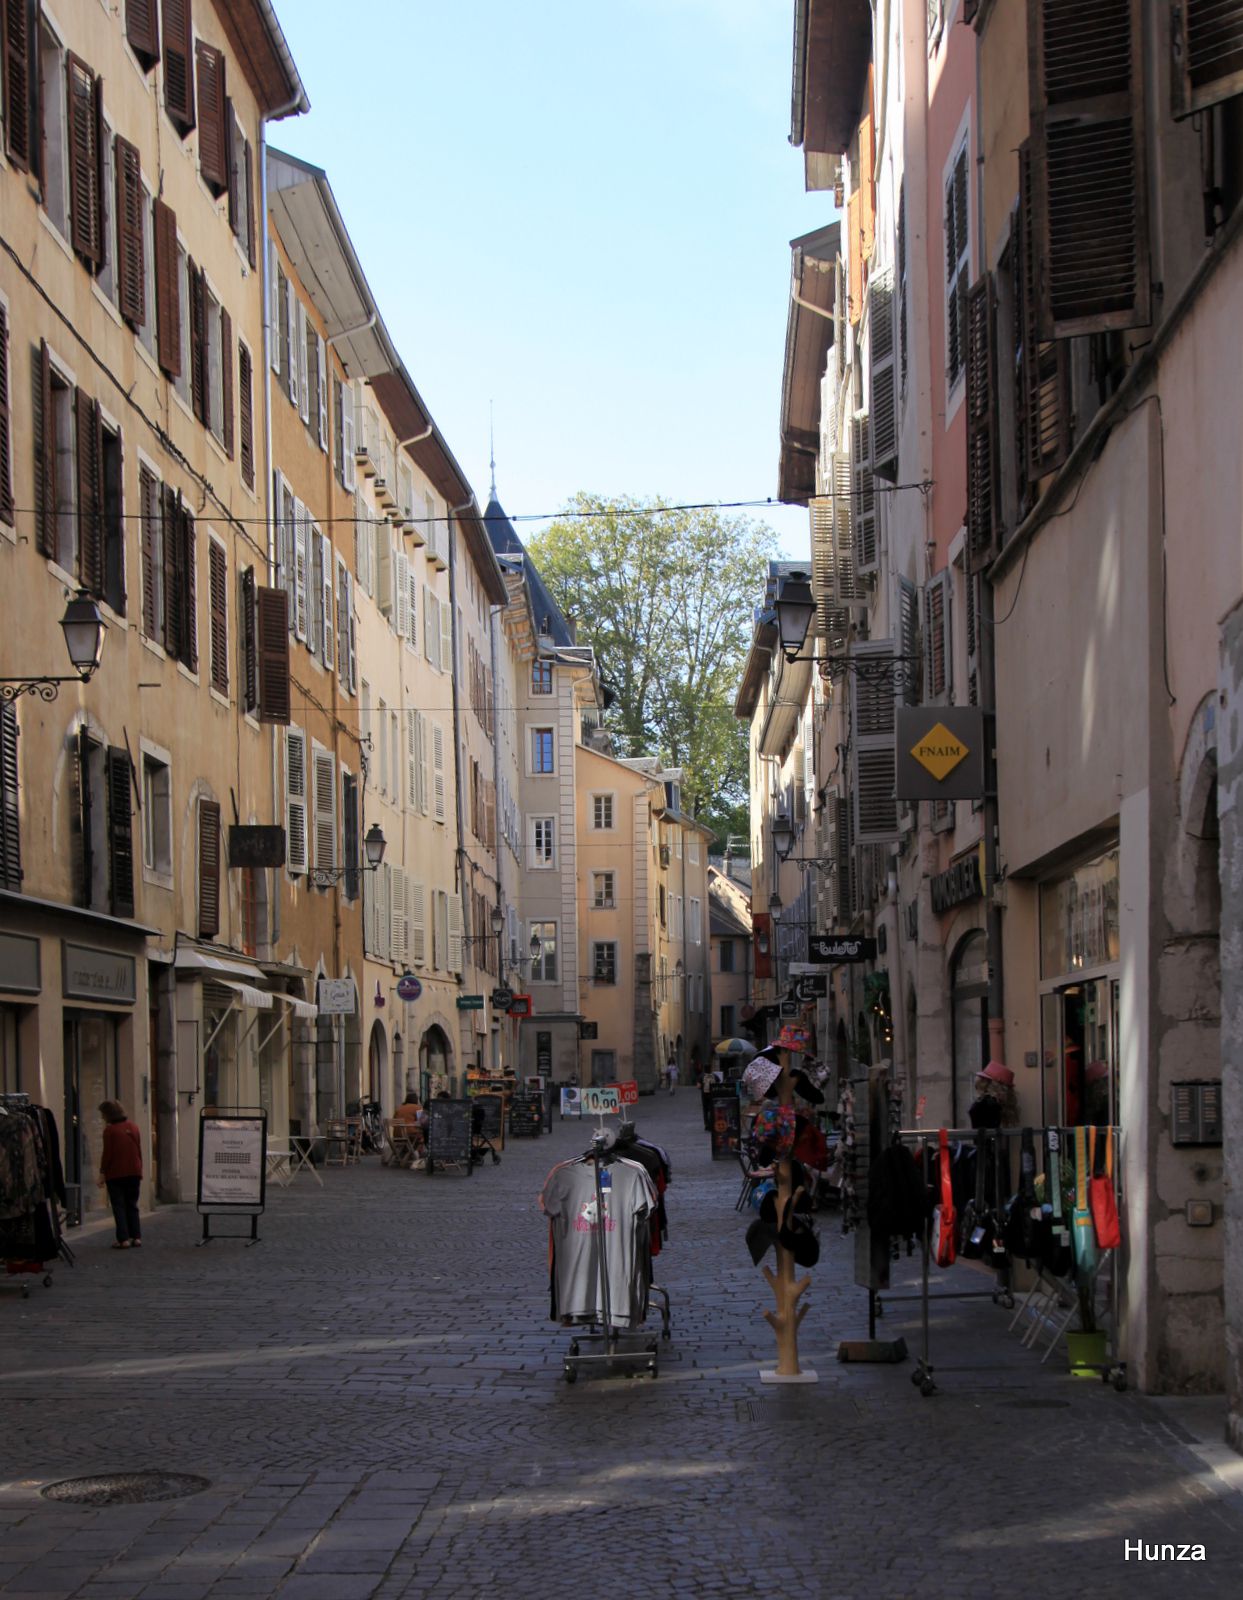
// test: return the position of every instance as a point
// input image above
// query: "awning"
(198, 961)
(300, 1008)
(260, 999)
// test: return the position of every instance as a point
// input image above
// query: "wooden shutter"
(882, 379)
(416, 919)
(249, 171)
(149, 512)
(872, 738)
(295, 798)
(167, 290)
(908, 690)
(438, 770)
(1206, 37)
(325, 796)
(938, 666)
(350, 833)
(226, 381)
(1042, 366)
(397, 916)
(82, 826)
(180, 597)
(1088, 165)
(119, 780)
(10, 807)
(131, 264)
(272, 612)
(981, 423)
(454, 927)
(19, 71)
(188, 562)
(327, 638)
(854, 233)
(200, 381)
(245, 415)
(142, 29)
(6, 430)
(179, 64)
(45, 456)
(170, 520)
(218, 602)
(250, 643)
(209, 869)
(213, 117)
(446, 636)
(85, 229)
(863, 499)
(90, 453)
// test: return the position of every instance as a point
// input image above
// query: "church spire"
(492, 451)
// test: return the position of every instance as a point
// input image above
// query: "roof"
(312, 229)
(809, 335)
(259, 46)
(832, 52)
(550, 622)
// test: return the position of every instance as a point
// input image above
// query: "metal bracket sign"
(470, 1002)
(336, 997)
(408, 987)
(940, 753)
(600, 1101)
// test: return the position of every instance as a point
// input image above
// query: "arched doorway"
(969, 986)
(377, 1062)
(435, 1061)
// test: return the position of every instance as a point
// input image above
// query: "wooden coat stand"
(787, 1290)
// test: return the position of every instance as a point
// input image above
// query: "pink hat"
(1096, 1070)
(998, 1074)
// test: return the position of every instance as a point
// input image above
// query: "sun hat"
(759, 1076)
(997, 1073)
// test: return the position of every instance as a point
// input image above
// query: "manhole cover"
(1037, 1405)
(126, 1488)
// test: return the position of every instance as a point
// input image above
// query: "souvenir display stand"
(788, 1290)
(30, 1233)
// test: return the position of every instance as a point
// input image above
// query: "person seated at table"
(411, 1113)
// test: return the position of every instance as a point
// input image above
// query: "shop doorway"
(377, 1064)
(435, 1062)
(1079, 1053)
(603, 1067)
(969, 981)
(92, 1074)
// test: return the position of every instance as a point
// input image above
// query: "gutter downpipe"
(462, 859)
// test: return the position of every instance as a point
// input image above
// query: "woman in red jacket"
(120, 1168)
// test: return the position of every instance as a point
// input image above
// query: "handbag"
(1082, 1232)
(1101, 1198)
(972, 1238)
(944, 1218)
(1053, 1242)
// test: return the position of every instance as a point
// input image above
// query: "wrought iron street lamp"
(783, 836)
(84, 628)
(374, 845)
(795, 606)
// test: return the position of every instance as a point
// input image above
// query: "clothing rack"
(31, 1253)
(1002, 1294)
(612, 1349)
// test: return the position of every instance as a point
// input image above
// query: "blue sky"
(580, 212)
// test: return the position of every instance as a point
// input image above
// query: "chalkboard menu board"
(448, 1134)
(492, 1106)
(526, 1116)
(725, 1124)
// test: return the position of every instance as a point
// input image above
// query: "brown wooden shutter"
(45, 456)
(218, 600)
(83, 830)
(142, 29)
(10, 806)
(1043, 365)
(149, 511)
(1206, 37)
(17, 60)
(209, 869)
(187, 563)
(90, 453)
(131, 265)
(273, 631)
(179, 64)
(245, 415)
(1088, 165)
(854, 232)
(6, 428)
(119, 781)
(226, 380)
(167, 290)
(981, 433)
(84, 223)
(213, 117)
(250, 643)
(171, 520)
(248, 163)
(200, 384)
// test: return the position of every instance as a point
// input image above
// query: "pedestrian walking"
(120, 1172)
(671, 1074)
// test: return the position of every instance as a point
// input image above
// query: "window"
(150, 512)
(218, 607)
(727, 956)
(146, 266)
(696, 921)
(604, 962)
(543, 841)
(542, 756)
(214, 117)
(246, 414)
(109, 214)
(295, 801)
(957, 264)
(541, 676)
(544, 967)
(727, 1022)
(663, 904)
(180, 310)
(157, 817)
(325, 797)
(10, 810)
(241, 187)
(603, 894)
(344, 414)
(602, 811)
(209, 869)
(51, 148)
(56, 467)
(178, 64)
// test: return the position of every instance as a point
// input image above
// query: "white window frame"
(604, 890)
(543, 843)
(536, 729)
(597, 947)
(157, 829)
(603, 811)
(539, 968)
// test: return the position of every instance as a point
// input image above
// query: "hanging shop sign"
(256, 846)
(812, 988)
(336, 997)
(408, 987)
(790, 1008)
(957, 884)
(589, 1030)
(470, 1002)
(940, 753)
(502, 997)
(520, 1006)
(828, 949)
(543, 1054)
(600, 1101)
(19, 964)
(90, 974)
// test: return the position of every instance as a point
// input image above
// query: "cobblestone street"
(375, 1394)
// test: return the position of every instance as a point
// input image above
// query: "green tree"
(665, 600)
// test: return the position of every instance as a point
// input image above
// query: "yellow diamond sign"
(939, 751)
